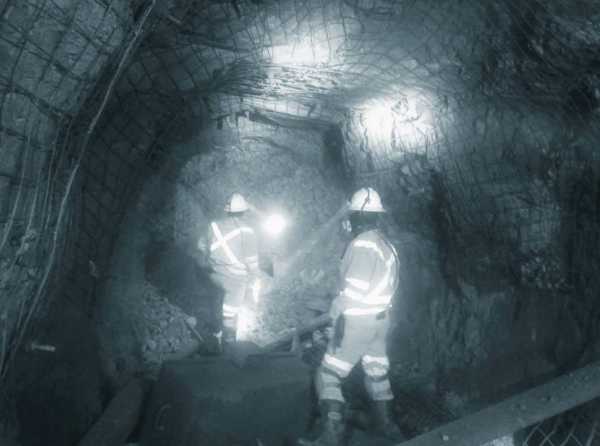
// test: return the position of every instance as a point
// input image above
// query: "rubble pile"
(162, 329)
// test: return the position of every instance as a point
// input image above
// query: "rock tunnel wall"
(55, 56)
(505, 165)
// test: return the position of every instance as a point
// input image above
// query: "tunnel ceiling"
(329, 55)
(309, 58)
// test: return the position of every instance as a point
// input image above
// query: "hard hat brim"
(242, 209)
(370, 211)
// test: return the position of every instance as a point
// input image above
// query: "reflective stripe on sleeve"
(236, 270)
(370, 245)
(374, 296)
(373, 300)
(362, 285)
(384, 299)
(364, 311)
(353, 294)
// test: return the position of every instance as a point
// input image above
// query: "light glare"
(379, 120)
(274, 225)
(301, 52)
(246, 323)
(404, 124)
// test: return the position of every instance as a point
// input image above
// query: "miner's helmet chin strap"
(366, 201)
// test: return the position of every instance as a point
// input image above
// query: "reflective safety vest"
(369, 275)
(233, 246)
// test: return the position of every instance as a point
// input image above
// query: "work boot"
(333, 431)
(384, 423)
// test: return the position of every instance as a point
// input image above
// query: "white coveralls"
(234, 259)
(369, 275)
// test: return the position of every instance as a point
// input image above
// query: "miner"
(360, 321)
(233, 256)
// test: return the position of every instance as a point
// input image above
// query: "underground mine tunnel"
(125, 128)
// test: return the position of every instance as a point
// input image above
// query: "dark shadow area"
(186, 284)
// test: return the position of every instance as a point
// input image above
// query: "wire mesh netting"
(578, 427)
(478, 117)
(52, 60)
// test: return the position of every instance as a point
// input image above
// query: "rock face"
(450, 339)
(137, 323)
(52, 53)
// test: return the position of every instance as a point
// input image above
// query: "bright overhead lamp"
(400, 122)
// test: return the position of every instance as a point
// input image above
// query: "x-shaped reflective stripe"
(222, 242)
(229, 236)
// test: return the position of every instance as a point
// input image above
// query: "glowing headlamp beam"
(274, 225)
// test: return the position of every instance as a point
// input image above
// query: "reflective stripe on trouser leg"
(379, 390)
(376, 377)
(329, 376)
(336, 365)
(329, 385)
(376, 367)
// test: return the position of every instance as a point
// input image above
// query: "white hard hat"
(366, 200)
(237, 203)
